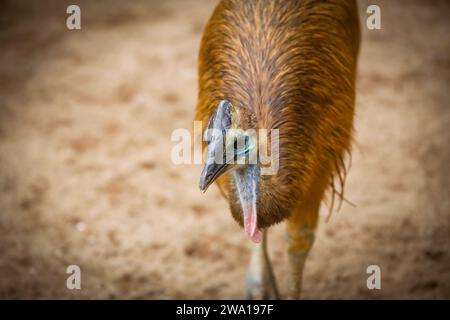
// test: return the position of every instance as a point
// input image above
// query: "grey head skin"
(226, 153)
(215, 135)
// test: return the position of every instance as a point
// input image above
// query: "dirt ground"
(86, 176)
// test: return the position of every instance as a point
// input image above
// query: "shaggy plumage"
(287, 65)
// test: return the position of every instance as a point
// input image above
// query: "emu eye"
(242, 150)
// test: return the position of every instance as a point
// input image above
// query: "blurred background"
(86, 176)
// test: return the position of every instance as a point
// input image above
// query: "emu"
(286, 65)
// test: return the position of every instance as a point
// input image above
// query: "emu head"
(232, 150)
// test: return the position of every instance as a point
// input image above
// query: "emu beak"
(210, 173)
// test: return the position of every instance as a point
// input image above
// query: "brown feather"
(287, 65)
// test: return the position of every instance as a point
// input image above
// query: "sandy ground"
(86, 176)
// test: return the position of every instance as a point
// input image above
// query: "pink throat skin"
(251, 225)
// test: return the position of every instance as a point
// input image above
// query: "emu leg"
(300, 240)
(301, 229)
(260, 280)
